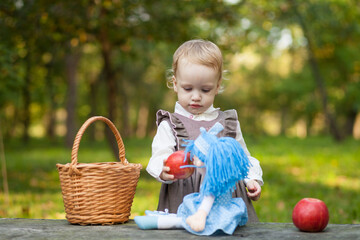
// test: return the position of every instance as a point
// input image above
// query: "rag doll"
(212, 209)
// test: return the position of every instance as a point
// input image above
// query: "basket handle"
(81, 131)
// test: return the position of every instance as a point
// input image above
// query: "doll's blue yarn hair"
(225, 161)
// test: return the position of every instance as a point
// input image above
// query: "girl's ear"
(174, 83)
(218, 87)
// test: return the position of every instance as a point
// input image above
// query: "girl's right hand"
(164, 175)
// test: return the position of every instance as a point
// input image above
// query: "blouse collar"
(210, 114)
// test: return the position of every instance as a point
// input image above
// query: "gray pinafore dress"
(171, 195)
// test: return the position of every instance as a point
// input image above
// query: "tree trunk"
(283, 119)
(26, 99)
(349, 123)
(93, 105)
(348, 111)
(110, 80)
(71, 63)
(142, 120)
(124, 106)
(4, 169)
(151, 126)
(50, 127)
(318, 78)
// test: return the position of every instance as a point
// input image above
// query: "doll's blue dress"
(226, 213)
(226, 163)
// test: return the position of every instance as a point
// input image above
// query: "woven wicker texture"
(98, 193)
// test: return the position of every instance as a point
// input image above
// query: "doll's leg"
(169, 222)
(158, 222)
(197, 221)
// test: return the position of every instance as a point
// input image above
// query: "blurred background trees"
(293, 66)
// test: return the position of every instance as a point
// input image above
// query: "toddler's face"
(196, 86)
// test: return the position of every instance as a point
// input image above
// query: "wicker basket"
(98, 193)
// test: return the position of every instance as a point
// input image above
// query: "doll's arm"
(197, 221)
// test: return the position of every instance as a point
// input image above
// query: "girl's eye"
(188, 89)
(206, 90)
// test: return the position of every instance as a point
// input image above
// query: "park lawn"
(293, 169)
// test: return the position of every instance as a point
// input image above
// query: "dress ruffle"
(176, 125)
(226, 213)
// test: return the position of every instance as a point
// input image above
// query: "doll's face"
(196, 86)
(198, 162)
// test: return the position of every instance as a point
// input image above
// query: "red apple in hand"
(175, 161)
(310, 215)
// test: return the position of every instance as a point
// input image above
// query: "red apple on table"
(175, 161)
(310, 215)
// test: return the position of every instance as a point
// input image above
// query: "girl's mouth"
(195, 105)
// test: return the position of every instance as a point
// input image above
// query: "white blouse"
(164, 144)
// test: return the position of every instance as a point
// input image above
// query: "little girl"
(197, 75)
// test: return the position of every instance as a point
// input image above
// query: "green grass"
(315, 167)
(293, 169)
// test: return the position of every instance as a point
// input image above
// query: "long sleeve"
(255, 171)
(162, 146)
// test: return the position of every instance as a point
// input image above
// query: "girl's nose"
(196, 96)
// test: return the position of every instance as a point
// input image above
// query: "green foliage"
(10, 81)
(132, 42)
(293, 169)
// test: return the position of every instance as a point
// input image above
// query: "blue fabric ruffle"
(226, 214)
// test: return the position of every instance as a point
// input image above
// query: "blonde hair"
(198, 51)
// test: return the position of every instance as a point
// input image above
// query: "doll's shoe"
(158, 213)
(146, 222)
(154, 213)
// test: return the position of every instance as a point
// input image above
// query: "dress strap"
(176, 125)
(231, 121)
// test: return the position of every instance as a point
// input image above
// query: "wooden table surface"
(21, 228)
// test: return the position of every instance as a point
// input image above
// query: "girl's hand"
(164, 175)
(254, 190)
